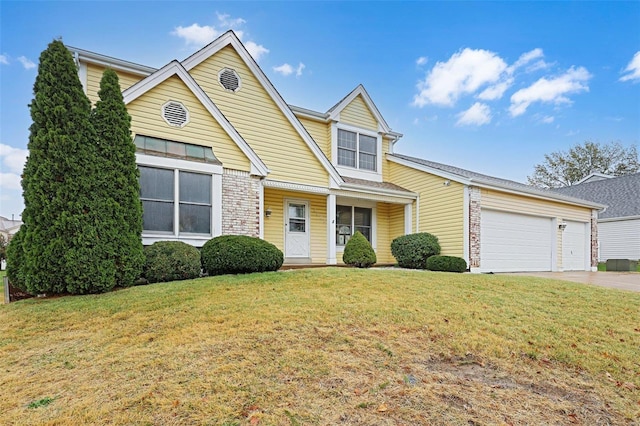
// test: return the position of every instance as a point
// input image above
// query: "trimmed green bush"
(171, 261)
(358, 252)
(240, 254)
(413, 250)
(446, 264)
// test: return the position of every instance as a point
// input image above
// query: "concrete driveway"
(619, 280)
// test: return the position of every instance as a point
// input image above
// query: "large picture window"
(350, 219)
(161, 190)
(357, 150)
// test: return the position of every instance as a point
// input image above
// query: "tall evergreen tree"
(63, 246)
(119, 178)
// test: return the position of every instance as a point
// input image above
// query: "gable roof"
(230, 39)
(334, 111)
(621, 194)
(175, 68)
(468, 177)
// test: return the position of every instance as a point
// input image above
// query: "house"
(619, 223)
(221, 152)
(8, 228)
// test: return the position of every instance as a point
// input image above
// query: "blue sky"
(487, 86)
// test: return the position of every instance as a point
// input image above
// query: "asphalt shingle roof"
(621, 194)
(495, 181)
(372, 184)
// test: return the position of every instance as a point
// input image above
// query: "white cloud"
(256, 50)
(196, 35)
(300, 68)
(496, 91)
(550, 90)
(548, 119)
(421, 60)
(527, 57)
(26, 63)
(4, 60)
(284, 69)
(477, 115)
(633, 69)
(13, 160)
(464, 73)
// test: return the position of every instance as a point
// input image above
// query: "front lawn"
(326, 346)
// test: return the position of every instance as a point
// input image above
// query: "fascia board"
(175, 68)
(229, 38)
(334, 113)
(108, 61)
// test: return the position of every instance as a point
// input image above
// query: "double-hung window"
(350, 219)
(357, 150)
(173, 197)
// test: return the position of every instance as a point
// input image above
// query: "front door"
(296, 234)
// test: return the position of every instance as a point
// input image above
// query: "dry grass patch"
(326, 346)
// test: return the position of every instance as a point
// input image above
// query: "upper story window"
(165, 148)
(357, 150)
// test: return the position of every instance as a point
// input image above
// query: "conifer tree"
(119, 178)
(64, 216)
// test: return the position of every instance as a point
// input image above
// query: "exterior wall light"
(267, 212)
(562, 226)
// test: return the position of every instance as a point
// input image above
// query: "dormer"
(358, 135)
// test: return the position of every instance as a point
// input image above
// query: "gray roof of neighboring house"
(481, 179)
(621, 194)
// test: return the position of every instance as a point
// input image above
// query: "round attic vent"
(175, 114)
(229, 79)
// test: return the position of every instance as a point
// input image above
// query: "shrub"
(413, 250)
(171, 261)
(446, 264)
(240, 254)
(358, 252)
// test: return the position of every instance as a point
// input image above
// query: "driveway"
(619, 280)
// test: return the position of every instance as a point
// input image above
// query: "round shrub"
(240, 254)
(358, 252)
(413, 250)
(171, 261)
(446, 264)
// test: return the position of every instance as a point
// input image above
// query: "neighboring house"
(221, 152)
(9, 227)
(619, 223)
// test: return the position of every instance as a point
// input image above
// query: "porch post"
(408, 219)
(331, 229)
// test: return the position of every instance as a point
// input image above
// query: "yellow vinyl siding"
(390, 219)
(274, 226)
(94, 75)
(358, 114)
(202, 128)
(319, 133)
(385, 164)
(260, 121)
(441, 207)
(521, 204)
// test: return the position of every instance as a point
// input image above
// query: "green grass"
(325, 346)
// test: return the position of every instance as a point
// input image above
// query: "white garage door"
(574, 246)
(511, 242)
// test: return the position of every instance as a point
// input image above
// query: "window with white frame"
(350, 219)
(357, 150)
(173, 197)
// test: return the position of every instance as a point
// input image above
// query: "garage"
(574, 246)
(513, 242)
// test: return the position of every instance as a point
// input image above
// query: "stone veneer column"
(474, 227)
(240, 203)
(594, 240)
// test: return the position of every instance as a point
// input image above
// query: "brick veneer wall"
(240, 204)
(474, 227)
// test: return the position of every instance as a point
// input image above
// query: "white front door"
(296, 234)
